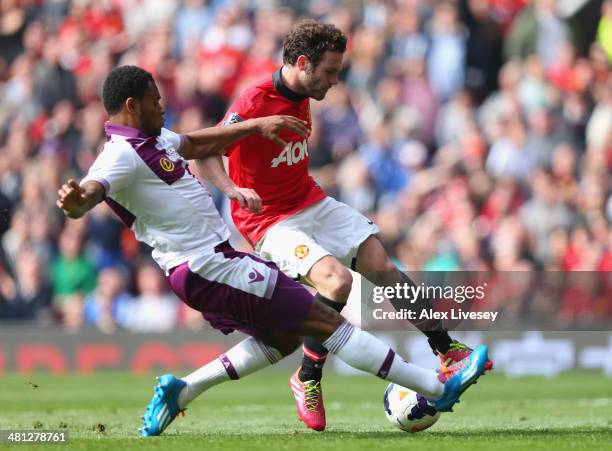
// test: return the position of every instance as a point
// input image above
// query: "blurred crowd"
(476, 133)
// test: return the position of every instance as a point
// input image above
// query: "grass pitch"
(573, 411)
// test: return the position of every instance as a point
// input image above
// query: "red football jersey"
(279, 176)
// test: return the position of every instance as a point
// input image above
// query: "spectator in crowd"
(508, 155)
(154, 309)
(537, 30)
(108, 306)
(33, 293)
(73, 276)
(604, 30)
(408, 42)
(16, 237)
(446, 60)
(543, 213)
(339, 130)
(483, 48)
(104, 231)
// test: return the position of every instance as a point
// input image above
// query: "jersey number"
(292, 153)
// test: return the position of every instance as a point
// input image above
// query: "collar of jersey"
(123, 130)
(284, 90)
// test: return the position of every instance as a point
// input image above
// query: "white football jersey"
(150, 188)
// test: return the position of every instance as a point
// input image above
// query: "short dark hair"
(313, 39)
(124, 82)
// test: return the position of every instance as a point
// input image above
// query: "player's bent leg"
(333, 283)
(292, 246)
(278, 305)
(365, 352)
(305, 383)
(173, 394)
(374, 263)
(308, 394)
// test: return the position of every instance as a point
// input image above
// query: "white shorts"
(328, 227)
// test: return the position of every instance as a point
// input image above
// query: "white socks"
(246, 357)
(367, 353)
(351, 344)
(419, 379)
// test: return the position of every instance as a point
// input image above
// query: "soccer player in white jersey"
(142, 175)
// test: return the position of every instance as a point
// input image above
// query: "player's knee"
(340, 284)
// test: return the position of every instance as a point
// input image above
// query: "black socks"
(314, 352)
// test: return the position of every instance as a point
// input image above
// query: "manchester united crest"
(301, 251)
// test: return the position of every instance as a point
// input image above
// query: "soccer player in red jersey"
(288, 218)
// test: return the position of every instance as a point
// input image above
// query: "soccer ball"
(408, 410)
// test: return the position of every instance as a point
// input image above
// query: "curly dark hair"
(313, 39)
(123, 82)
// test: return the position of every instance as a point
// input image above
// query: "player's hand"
(71, 199)
(271, 126)
(247, 197)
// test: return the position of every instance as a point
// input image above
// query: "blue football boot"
(163, 408)
(459, 376)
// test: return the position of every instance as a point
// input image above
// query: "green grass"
(573, 411)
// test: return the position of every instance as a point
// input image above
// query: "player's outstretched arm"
(76, 200)
(214, 140)
(212, 169)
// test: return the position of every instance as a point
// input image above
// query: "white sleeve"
(114, 168)
(175, 139)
